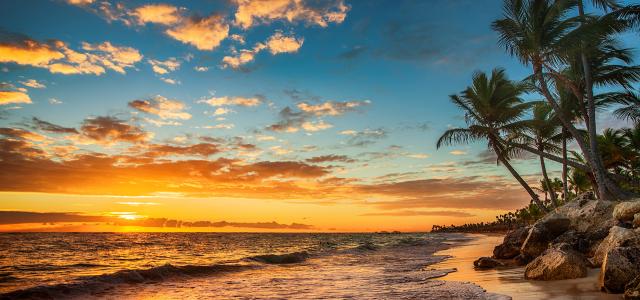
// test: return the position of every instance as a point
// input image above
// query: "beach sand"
(511, 281)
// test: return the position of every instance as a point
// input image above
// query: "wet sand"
(511, 281)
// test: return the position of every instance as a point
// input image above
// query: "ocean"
(224, 265)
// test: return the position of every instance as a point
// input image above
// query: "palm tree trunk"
(565, 185)
(603, 181)
(558, 159)
(515, 174)
(547, 182)
(596, 158)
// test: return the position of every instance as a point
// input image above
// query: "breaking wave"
(95, 284)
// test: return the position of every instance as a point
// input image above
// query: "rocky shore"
(584, 233)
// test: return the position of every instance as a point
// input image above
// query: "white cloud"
(32, 83)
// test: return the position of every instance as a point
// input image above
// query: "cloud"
(170, 80)
(220, 126)
(279, 43)
(462, 192)
(200, 149)
(50, 127)
(276, 44)
(315, 126)
(22, 217)
(232, 101)
(164, 67)
(29, 52)
(202, 33)
(55, 101)
(57, 57)
(458, 152)
(14, 97)
(331, 108)
(201, 69)
(353, 53)
(164, 14)
(32, 83)
(411, 213)
(162, 107)
(366, 137)
(292, 120)
(110, 130)
(250, 12)
(222, 111)
(22, 134)
(330, 158)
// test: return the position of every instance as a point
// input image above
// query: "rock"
(617, 236)
(636, 220)
(542, 233)
(486, 263)
(572, 240)
(632, 289)
(625, 211)
(556, 264)
(620, 266)
(511, 244)
(588, 215)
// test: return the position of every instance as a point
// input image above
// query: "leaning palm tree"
(493, 108)
(546, 134)
(540, 34)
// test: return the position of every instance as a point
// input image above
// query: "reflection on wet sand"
(511, 281)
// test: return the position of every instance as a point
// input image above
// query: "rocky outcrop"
(636, 220)
(620, 266)
(542, 233)
(487, 263)
(625, 211)
(588, 215)
(632, 289)
(511, 244)
(557, 264)
(617, 236)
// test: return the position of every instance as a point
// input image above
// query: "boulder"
(625, 211)
(572, 240)
(511, 244)
(542, 233)
(486, 263)
(632, 289)
(636, 220)
(620, 266)
(556, 264)
(617, 236)
(587, 214)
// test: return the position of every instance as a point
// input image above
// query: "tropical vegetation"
(580, 75)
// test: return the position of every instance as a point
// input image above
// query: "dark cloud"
(463, 192)
(298, 95)
(331, 158)
(21, 217)
(108, 129)
(201, 149)
(366, 137)
(410, 213)
(353, 53)
(50, 127)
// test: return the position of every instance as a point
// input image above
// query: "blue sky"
(395, 62)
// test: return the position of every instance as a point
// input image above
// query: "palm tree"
(579, 181)
(540, 34)
(546, 135)
(492, 108)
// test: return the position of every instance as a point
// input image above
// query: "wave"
(287, 258)
(93, 284)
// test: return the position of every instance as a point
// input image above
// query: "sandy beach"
(510, 281)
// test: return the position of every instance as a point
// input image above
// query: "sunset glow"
(245, 116)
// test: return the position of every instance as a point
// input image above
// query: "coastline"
(510, 281)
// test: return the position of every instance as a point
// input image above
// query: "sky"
(240, 115)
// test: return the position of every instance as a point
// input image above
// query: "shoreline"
(510, 281)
